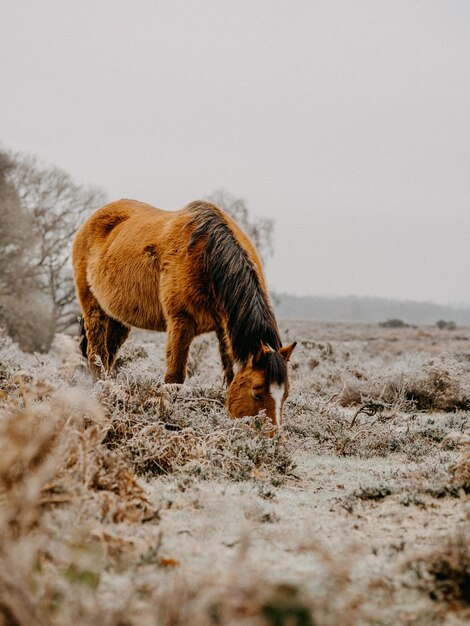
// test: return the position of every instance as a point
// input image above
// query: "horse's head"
(261, 384)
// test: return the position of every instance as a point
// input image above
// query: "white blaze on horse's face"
(253, 388)
(277, 393)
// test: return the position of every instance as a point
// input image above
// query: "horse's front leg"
(181, 331)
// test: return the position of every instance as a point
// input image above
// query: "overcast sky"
(347, 122)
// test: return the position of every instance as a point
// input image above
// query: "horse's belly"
(130, 296)
(148, 318)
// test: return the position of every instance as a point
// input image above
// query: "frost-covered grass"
(131, 502)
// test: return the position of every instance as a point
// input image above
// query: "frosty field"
(127, 502)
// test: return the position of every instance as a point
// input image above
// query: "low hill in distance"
(367, 309)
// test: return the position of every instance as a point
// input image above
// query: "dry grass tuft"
(161, 430)
(56, 478)
(415, 368)
(438, 388)
(445, 572)
(461, 470)
(374, 429)
(432, 387)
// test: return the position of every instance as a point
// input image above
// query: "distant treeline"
(363, 309)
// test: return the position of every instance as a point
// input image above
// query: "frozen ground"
(125, 502)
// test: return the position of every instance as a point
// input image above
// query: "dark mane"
(234, 282)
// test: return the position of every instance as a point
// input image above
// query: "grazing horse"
(186, 272)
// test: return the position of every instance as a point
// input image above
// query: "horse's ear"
(260, 356)
(287, 351)
(265, 349)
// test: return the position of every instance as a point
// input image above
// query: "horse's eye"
(257, 395)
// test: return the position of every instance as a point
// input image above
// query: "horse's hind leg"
(116, 335)
(93, 331)
(82, 340)
(181, 331)
(96, 327)
(225, 354)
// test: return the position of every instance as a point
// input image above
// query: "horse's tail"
(82, 340)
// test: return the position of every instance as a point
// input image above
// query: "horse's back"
(139, 263)
(99, 226)
(117, 255)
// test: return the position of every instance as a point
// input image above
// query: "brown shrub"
(445, 572)
(160, 431)
(55, 478)
(432, 387)
(461, 471)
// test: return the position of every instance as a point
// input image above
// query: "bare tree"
(260, 231)
(56, 206)
(23, 312)
(15, 233)
(40, 209)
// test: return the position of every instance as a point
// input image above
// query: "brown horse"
(186, 272)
